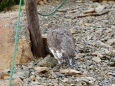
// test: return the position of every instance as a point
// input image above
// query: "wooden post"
(34, 29)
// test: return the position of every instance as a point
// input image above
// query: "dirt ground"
(94, 35)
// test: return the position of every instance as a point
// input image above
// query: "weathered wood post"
(34, 29)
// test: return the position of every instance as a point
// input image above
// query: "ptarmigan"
(61, 45)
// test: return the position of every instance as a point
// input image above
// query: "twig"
(92, 14)
(61, 10)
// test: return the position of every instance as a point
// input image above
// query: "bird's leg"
(72, 62)
(69, 60)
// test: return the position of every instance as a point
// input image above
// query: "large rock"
(7, 33)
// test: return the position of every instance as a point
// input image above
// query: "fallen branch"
(92, 14)
(67, 10)
(61, 10)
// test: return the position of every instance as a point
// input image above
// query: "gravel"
(93, 51)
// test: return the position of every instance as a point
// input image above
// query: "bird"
(62, 46)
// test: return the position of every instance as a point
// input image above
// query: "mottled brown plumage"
(61, 44)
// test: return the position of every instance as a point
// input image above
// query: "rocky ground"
(93, 27)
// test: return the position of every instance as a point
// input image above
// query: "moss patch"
(6, 3)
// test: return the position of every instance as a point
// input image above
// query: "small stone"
(113, 26)
(99, 8)
(65, 80)
(113, 85)
(55, 83)
(41, 2)
(89, 80)
(68, 81)
(92, 10)
(97, 53)
(57, 74)
(111, 41)
(112, 64)
(102, 44)
(96, 59)
(73, 31)
(111, 73)
(33, 78)
(79, 55)
(34, 83)
(41, 69)
(70, 71)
